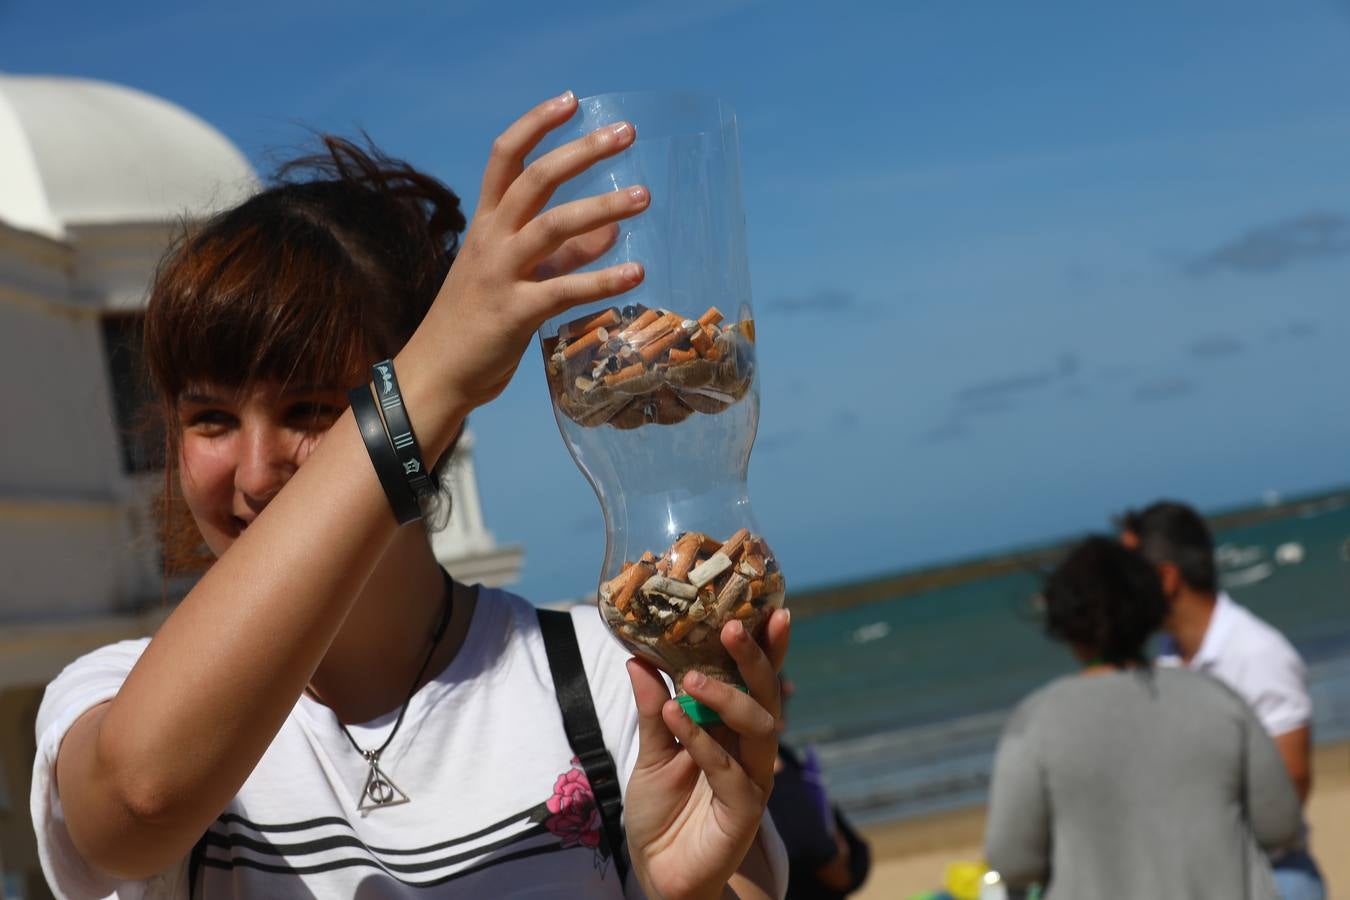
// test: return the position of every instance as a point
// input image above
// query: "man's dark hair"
(1105, 598)
(1175, 533)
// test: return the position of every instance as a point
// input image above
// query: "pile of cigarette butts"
(634, 366)
(683, 597)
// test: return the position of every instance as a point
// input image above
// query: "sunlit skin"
(239, 447)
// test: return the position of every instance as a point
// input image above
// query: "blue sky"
(1013, 267)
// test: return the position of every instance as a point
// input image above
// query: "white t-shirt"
(499, 807)
(1256, 661)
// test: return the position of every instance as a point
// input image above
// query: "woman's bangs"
(284, 315)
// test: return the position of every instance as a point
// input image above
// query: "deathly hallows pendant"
(380, 790)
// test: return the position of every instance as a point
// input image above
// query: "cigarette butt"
(587, 341)
(663, 565)
(733, 544)
(773, 583)
(648, 558)
(678, 357)
(624, 374)
(751, 565)
(710, 546)
(697, 610)
(656, 349)
(745, 610)
(711, 317)
(701, 341)
(589, 322)
(715, 350)
(630, 616)
(661, 584)
(709, 569)
(678, 630)
(748, 329)
(655, 331)
(756, 588)
(731, 593)
(639, 323)
(613, 585)
(633, 578)
(683, 553)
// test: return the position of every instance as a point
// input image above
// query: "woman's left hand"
(696, 798)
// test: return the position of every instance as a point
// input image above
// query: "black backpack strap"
(583, 728)
(195, 864)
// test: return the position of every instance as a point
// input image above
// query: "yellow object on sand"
(962, 879)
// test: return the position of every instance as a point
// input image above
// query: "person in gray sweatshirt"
(1128, 781)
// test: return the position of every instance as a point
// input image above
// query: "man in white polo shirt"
(1207, 631)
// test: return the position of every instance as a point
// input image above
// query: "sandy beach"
(910, 856)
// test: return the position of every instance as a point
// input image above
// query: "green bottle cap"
(701, 715)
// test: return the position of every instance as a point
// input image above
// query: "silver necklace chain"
(379, 789)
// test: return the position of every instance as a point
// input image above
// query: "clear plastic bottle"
(656, 395)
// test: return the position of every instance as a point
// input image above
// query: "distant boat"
(874, 632)
(1251, 575)
(1231, 556)
(1290, 554)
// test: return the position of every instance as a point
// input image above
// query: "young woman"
(1129, 781)
(327, 714)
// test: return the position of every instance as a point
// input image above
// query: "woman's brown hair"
(308, 282)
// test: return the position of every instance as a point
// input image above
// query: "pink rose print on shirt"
(574, 816)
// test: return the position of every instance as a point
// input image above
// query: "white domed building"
(94, 180)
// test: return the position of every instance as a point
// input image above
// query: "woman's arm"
(142, 776)
(1272, 802)
(1017, 835)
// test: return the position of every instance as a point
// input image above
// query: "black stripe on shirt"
(362, 862)
(535, 814)
(292, 851)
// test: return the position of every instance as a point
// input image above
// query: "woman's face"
(239, 447)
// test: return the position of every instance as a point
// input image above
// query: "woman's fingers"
(579, 251)
(729, 782)
(551, 230)
(507, 159)
(775, 637)
(536, 183)
(655, 742)
(557, 295)
(740, 712)
(752, 715)
(755, 665)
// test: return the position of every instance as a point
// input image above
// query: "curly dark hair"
(1106, 599)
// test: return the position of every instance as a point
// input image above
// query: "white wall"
(60, 438)
(71, 531)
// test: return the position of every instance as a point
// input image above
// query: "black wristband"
(400, 430)
(382, 457)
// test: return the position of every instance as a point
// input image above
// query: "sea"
(903, 699)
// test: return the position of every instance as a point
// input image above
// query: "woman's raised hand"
(515, 267)
(696, 798)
